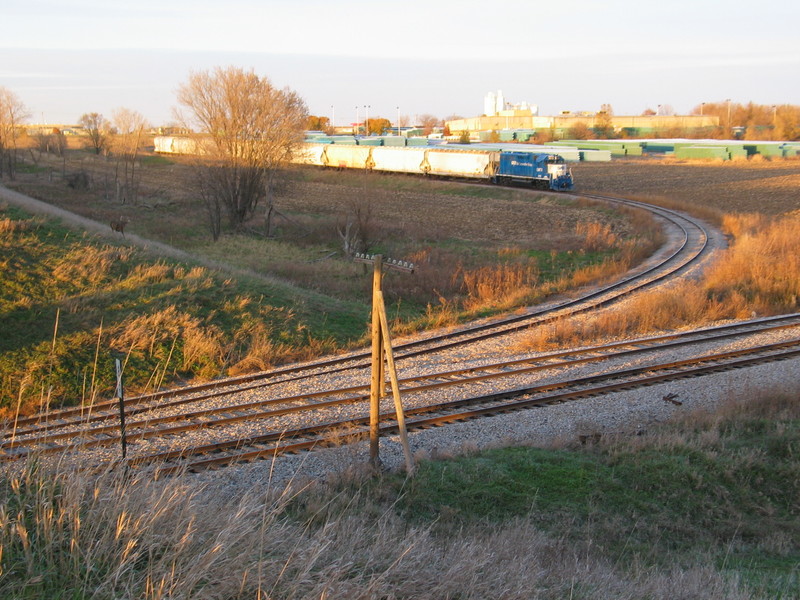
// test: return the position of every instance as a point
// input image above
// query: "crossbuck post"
(381, 347)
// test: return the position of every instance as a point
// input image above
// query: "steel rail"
(245, 450)
(244, 411)
(633, 377)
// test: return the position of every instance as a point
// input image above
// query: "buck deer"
(119, 225)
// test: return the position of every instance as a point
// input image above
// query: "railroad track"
(337, 433)
(315, 407)
(691, 248)
(162, 428)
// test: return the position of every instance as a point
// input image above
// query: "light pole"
(702, 107)
(333, 119)
(355, 127)
(398, 121)
(366, 119)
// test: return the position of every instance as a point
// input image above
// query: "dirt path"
(103, 231)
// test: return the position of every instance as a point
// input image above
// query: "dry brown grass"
(758, 275)
(501, 285)
(596, 236)
(117, 536)
(12, 226)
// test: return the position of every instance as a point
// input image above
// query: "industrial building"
(501, 115)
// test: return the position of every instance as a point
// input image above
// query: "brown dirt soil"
(166, 209)
(512, 220)
(769, 187)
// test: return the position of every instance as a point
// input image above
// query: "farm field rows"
(768, 187)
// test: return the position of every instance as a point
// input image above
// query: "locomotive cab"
(559, 174)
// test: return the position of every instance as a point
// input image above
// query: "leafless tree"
(249, 130)
(130, 126)
(98, 129)
(428, 123)
(53, 142)
(12, 114)
(357, 228)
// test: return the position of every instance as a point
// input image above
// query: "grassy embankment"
(70, 305)
(706, 506)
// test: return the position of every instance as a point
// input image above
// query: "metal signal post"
(382, 346)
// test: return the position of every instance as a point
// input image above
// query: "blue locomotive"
(545, 170)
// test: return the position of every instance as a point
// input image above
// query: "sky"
(64, 58)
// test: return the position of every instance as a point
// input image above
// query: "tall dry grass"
(500, 285)
(758, 275)
(516, 281)
(67, 534)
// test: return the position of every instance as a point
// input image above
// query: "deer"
(119, 225)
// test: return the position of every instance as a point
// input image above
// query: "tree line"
(249, 131)
(754, 121)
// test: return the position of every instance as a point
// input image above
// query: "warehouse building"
(560, 125)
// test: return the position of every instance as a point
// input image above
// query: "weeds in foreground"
(701, 507)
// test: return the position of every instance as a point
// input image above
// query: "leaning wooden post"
(376, 385)
(398, 405)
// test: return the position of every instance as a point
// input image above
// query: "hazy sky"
(64, 58)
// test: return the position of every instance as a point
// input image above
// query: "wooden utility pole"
(376, 385)
(381, 346)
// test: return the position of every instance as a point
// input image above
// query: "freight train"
(538, 169)
(544, 170)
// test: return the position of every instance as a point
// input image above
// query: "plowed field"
(771, 187)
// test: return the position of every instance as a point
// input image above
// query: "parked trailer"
(175, 144)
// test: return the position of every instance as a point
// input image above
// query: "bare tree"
(98, 129)
(130, 126)
(428, 123)
(357, 228)
(249, 130)
(12, 115)
(53, 142)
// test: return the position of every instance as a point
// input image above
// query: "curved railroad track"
(690, 248)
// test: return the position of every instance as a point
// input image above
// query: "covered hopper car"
(540, 169)
(496, 166)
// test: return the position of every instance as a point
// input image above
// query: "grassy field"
(72, 302)
(763, 186)
(705, 507)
